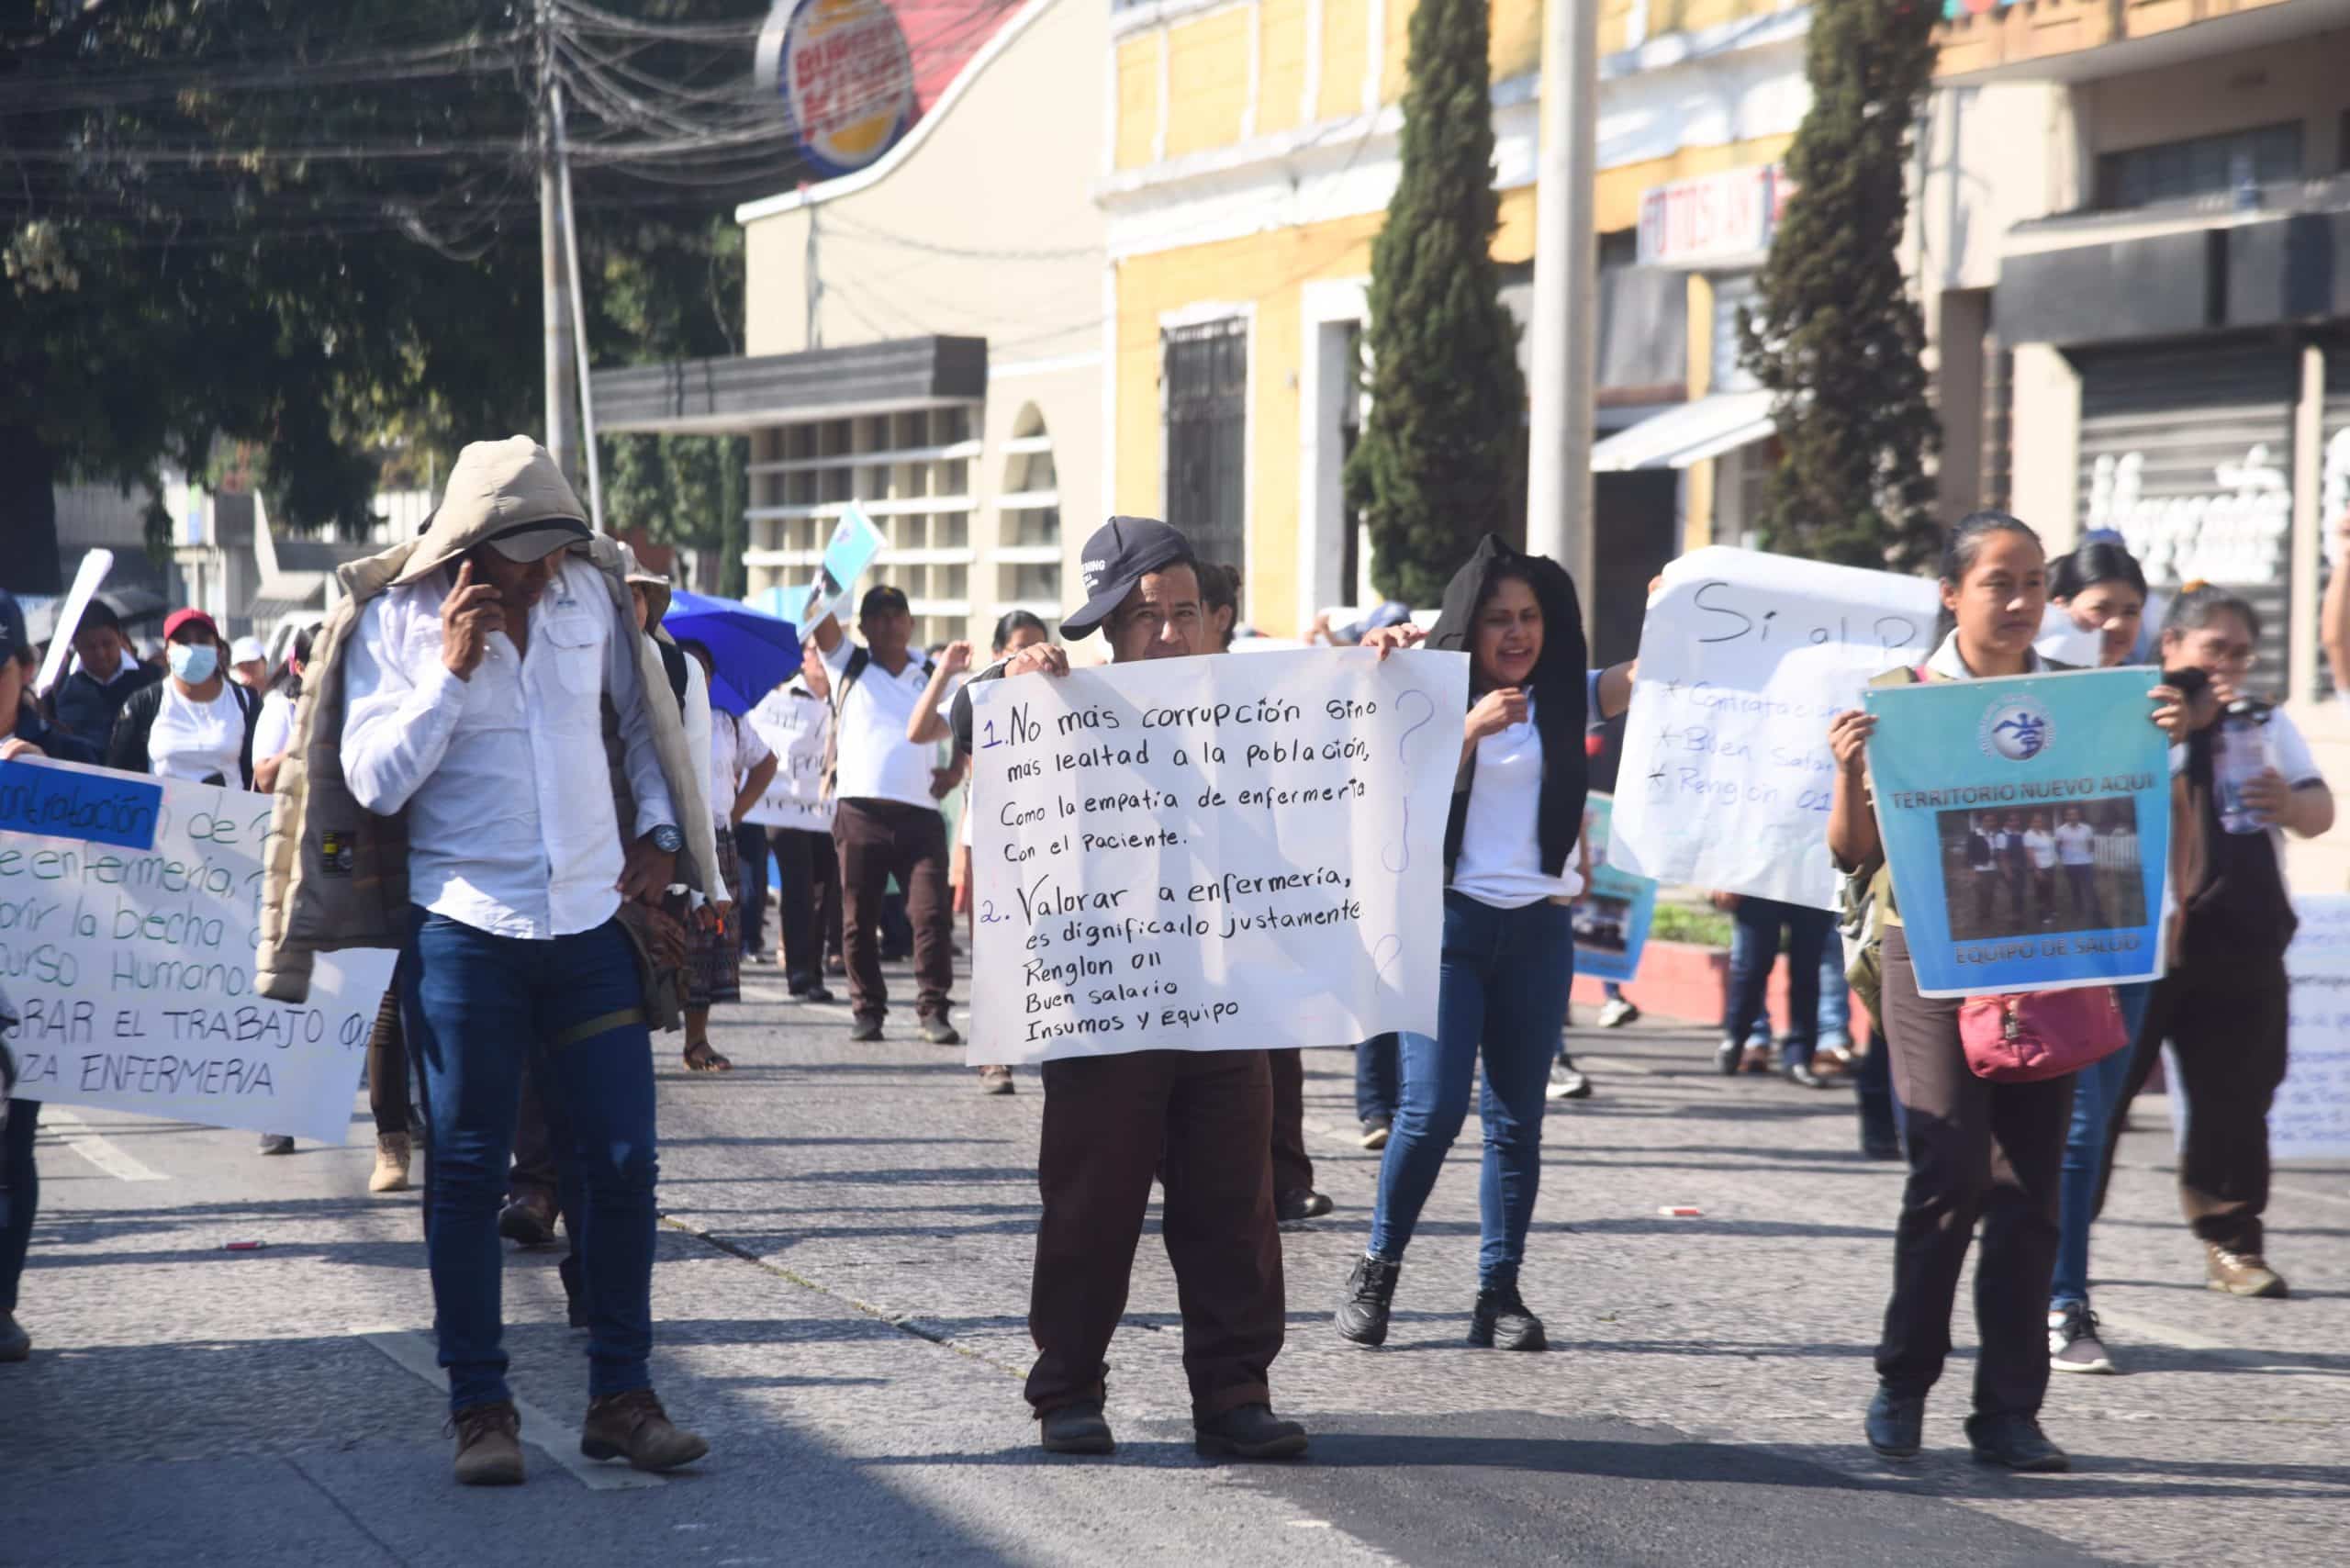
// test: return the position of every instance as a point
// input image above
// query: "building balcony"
(2081, 40)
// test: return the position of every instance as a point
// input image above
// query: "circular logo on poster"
(845, 77)
(2017, 729)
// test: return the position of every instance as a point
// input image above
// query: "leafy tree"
(1837, 336)
(1441, 458)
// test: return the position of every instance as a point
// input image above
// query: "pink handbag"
(2035, 1035)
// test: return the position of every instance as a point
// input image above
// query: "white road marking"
(415, 1353)
(91, 1145)
(2240, 1356)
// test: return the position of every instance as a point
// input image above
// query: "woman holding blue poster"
(1978, 1149)
(1509, 952)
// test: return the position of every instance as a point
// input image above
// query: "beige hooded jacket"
(335, 875)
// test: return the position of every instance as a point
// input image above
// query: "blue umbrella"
(755, 653)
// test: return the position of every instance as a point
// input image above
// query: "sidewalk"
(842, 1297)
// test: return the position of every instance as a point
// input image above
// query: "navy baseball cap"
(882, 597)
(1121, 553)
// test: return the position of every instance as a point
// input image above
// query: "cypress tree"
(1441, 456)
(1835, 335)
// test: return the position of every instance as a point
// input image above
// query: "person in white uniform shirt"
(1509, 949)
(475, 693)
(808, 875)
(2076, 850)
(888, 824)
(195, 724)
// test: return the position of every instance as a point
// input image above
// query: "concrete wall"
(2306, 80)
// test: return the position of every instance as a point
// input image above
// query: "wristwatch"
(668, 839)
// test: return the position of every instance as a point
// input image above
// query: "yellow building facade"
(1250, 157)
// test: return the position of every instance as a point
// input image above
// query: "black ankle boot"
(1502, 1321)
(1370, 1288)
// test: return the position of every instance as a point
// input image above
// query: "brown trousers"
(878, 840)
(1202, 1120)
(1293, 1166)
(1978, 1150)
(2225, 1019)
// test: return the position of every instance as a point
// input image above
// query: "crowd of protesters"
(472, 676)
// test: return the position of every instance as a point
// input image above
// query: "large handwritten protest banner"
(2027, 826)
(1744, 658)
(1612, 917)
(794, 728)
(130, 910)
(2310, 1117)
(1211, 854)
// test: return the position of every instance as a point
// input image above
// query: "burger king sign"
(844, 75)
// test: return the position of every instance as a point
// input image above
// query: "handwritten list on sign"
(128, 925)
(2310, 1118)
(1211, 854)
(1744, 658)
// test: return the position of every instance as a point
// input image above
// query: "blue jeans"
(19, 1195)
(1835, 995)
(1378, 1072)
(1754, 948)
(2097, 1098)
(476, 1006)
(1501, 989)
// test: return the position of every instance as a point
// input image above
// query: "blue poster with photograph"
(2027, 822)
(1611, 918)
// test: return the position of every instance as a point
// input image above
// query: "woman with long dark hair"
(1978, 1150)
(1509, 952)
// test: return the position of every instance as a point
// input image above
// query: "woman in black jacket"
(1508, 941)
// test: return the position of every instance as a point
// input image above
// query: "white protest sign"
(2310, 1116)
(793, 725)
(130, 910)
(1744, 658)
(93, 571)
(1211, 854)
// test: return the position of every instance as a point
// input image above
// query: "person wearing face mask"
(1978, 1150)
(1201, 1121)
(107, 672)
(195, 724)
(1511, 878)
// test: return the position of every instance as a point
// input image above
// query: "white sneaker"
(2073, 1344)
(1566, 1083)
(1618, 1012)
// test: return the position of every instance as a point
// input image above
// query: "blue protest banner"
(1611, 918)
(57, 801)
(2027, 822)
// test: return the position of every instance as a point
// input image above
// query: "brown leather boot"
(633, 1427)
(489, 1445)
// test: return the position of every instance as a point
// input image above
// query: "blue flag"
(2027, 823)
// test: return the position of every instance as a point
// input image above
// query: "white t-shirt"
(1500, 837)
(197, 740)
(2042, 847)
(2077, 843)
(874, 760)
(273, 726)
(735, 749)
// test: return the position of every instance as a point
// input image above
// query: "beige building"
(2155, 326)
(924, 339)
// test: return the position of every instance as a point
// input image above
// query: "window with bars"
(2200, 165)
(1206, 379)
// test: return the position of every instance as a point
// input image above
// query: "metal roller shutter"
(2188, 451)
(2334, 488)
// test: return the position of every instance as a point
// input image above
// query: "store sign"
(1715, 221)
(845, 75)
(2233, 532)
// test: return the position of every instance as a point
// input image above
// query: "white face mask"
(194, 663)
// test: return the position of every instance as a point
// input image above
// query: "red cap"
(179, 618)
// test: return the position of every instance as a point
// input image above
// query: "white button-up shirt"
(510, 824)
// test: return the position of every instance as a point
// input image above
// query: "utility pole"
(554, 311)
(1566, 289)
(578, 316)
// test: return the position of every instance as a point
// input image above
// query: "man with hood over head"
(477, 697)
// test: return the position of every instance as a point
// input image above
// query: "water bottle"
(2243, 756)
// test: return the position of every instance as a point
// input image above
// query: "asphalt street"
(841, 1294)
